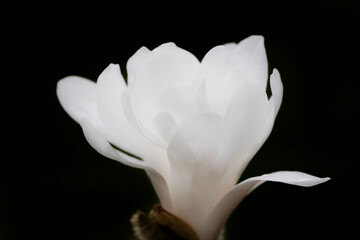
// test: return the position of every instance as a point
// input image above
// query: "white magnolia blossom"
(194, 126)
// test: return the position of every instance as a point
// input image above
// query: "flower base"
(159, 224)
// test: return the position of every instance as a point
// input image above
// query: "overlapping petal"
(180, 101)
(246, 114)
(110, 87)
(81, 99)
(155, 79)
(188, 63)
(214, 68)
(98, 141)
(199, 154)
(249, 56)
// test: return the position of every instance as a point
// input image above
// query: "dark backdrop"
(53, 185)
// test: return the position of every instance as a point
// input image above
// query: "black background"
(53, 185)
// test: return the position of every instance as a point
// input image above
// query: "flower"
(192, 126)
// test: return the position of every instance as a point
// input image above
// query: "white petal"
(161, 188)
(120, 127)
(159, 74)
(230, 85)
(154, 154)
(229, 47)
(136, 62)
(276, 89)
(152, 73)
(146, 129)
(199, 154)
(166, 125)
(214, 68)
(187, 61)
(128, 111)
(251, 117)
(202, 98)
(250, 57)
(180, 101)
(216, 63)
(97, 140)
(238, 193)
(110, 86)
(77, 96)
(247, 112)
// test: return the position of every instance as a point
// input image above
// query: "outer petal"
(77, 96)
(145, 91)
(118, 128)
(136, 62)
(110, 86)
(97, 140)
(187, 61)
(202, 98)
(227, 204)
(229, 46)
(276, 89)
(247, 113)
(151, 75)
(214, 67)
(180, 101)
(250, 57)
(166, 125)
(201, 147)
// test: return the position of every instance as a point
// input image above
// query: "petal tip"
(259, 38)
(315, 182)
(165, 46)
(275, 72)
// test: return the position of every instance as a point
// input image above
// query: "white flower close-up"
(192, 125)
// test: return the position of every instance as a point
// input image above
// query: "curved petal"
(180, 101)
(187, 61)
(77, 96)
(97, 140)
(228, 203)
(250, 57)
(199, 154)
(110, 86)
(120, 127)
(136, 62)
(152, 74)
(276, 90)
(231, 83)
(214, 67)
(251, 118)
(166, 125)
(161, 188)
(202, 98)
(152, 134)
(216, 63)
(247, 112)
(229, 47)
(159, 74)
(154, 154)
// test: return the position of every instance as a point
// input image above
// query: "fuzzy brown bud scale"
(159, 224)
